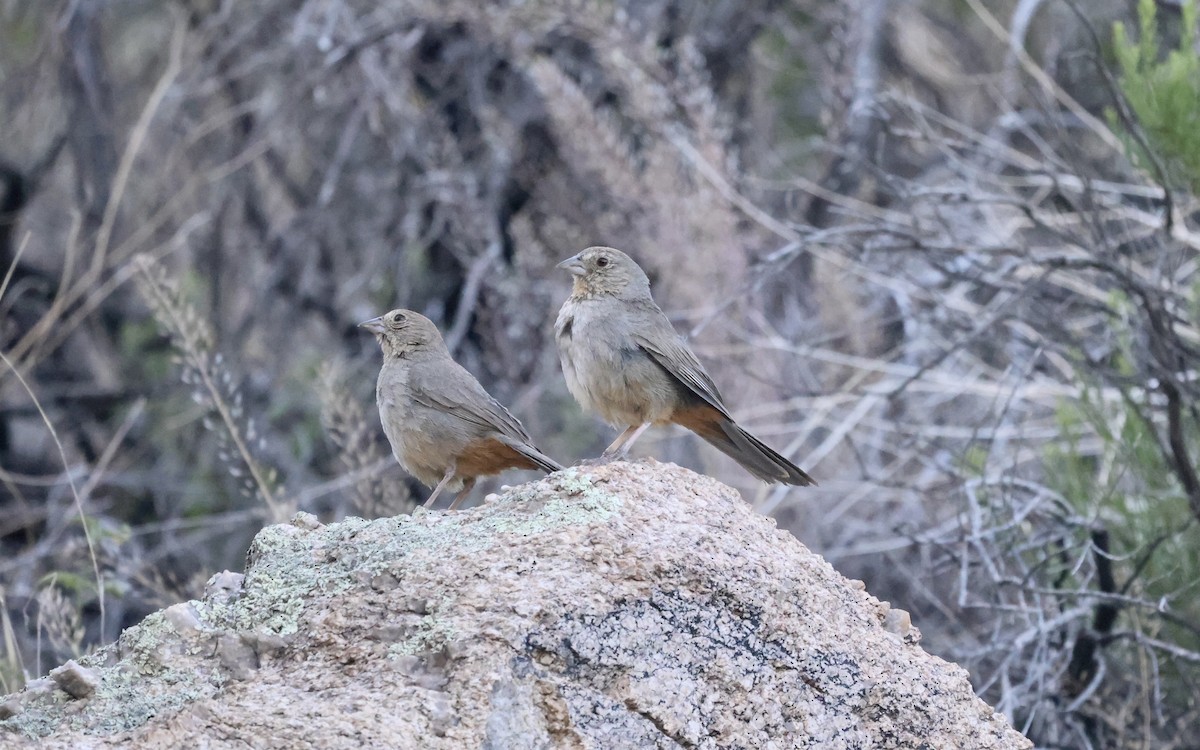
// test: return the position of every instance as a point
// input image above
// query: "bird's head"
(606, 271)
(401, 332)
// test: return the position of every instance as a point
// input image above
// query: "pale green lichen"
(214, 614)
(291, 568)
(143, 641)
(141, 685)
(432, 633)
(557, 513)
(289, 572)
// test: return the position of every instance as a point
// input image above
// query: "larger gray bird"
(623, 360)
(445, 429)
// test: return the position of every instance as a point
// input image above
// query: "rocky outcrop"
(622, 606)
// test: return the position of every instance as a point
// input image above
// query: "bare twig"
(83, 520)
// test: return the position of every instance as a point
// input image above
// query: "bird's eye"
(398, 318)
(602, 261)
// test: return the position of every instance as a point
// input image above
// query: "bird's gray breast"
(606, 370)
(396, 406)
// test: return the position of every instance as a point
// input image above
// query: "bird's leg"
(619, 447)
(466, 488)
(440, 486)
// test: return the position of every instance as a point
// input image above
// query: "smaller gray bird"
(622, 359)
(445, 429)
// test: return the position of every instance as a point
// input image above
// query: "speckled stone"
(621, 606)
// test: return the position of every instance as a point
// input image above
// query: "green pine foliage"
(1110, 468)
(1164, 92)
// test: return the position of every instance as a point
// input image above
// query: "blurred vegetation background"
(943, 253)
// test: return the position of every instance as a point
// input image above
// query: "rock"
(9, 708)
(620, 606)
(183, 617)
(305, 520)
(223, 587)
(76, 681)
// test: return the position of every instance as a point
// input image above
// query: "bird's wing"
(671, 352)
(454, 391)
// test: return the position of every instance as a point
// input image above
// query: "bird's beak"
(574, 265)
(374, 325)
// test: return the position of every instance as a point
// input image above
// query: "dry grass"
(213, 386)
(356, 438)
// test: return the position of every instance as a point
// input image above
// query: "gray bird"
(623, 360)
(445, 429)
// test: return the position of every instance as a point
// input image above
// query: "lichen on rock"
(621, 606)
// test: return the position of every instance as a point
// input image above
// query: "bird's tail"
(754, 455)
(537, 458)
